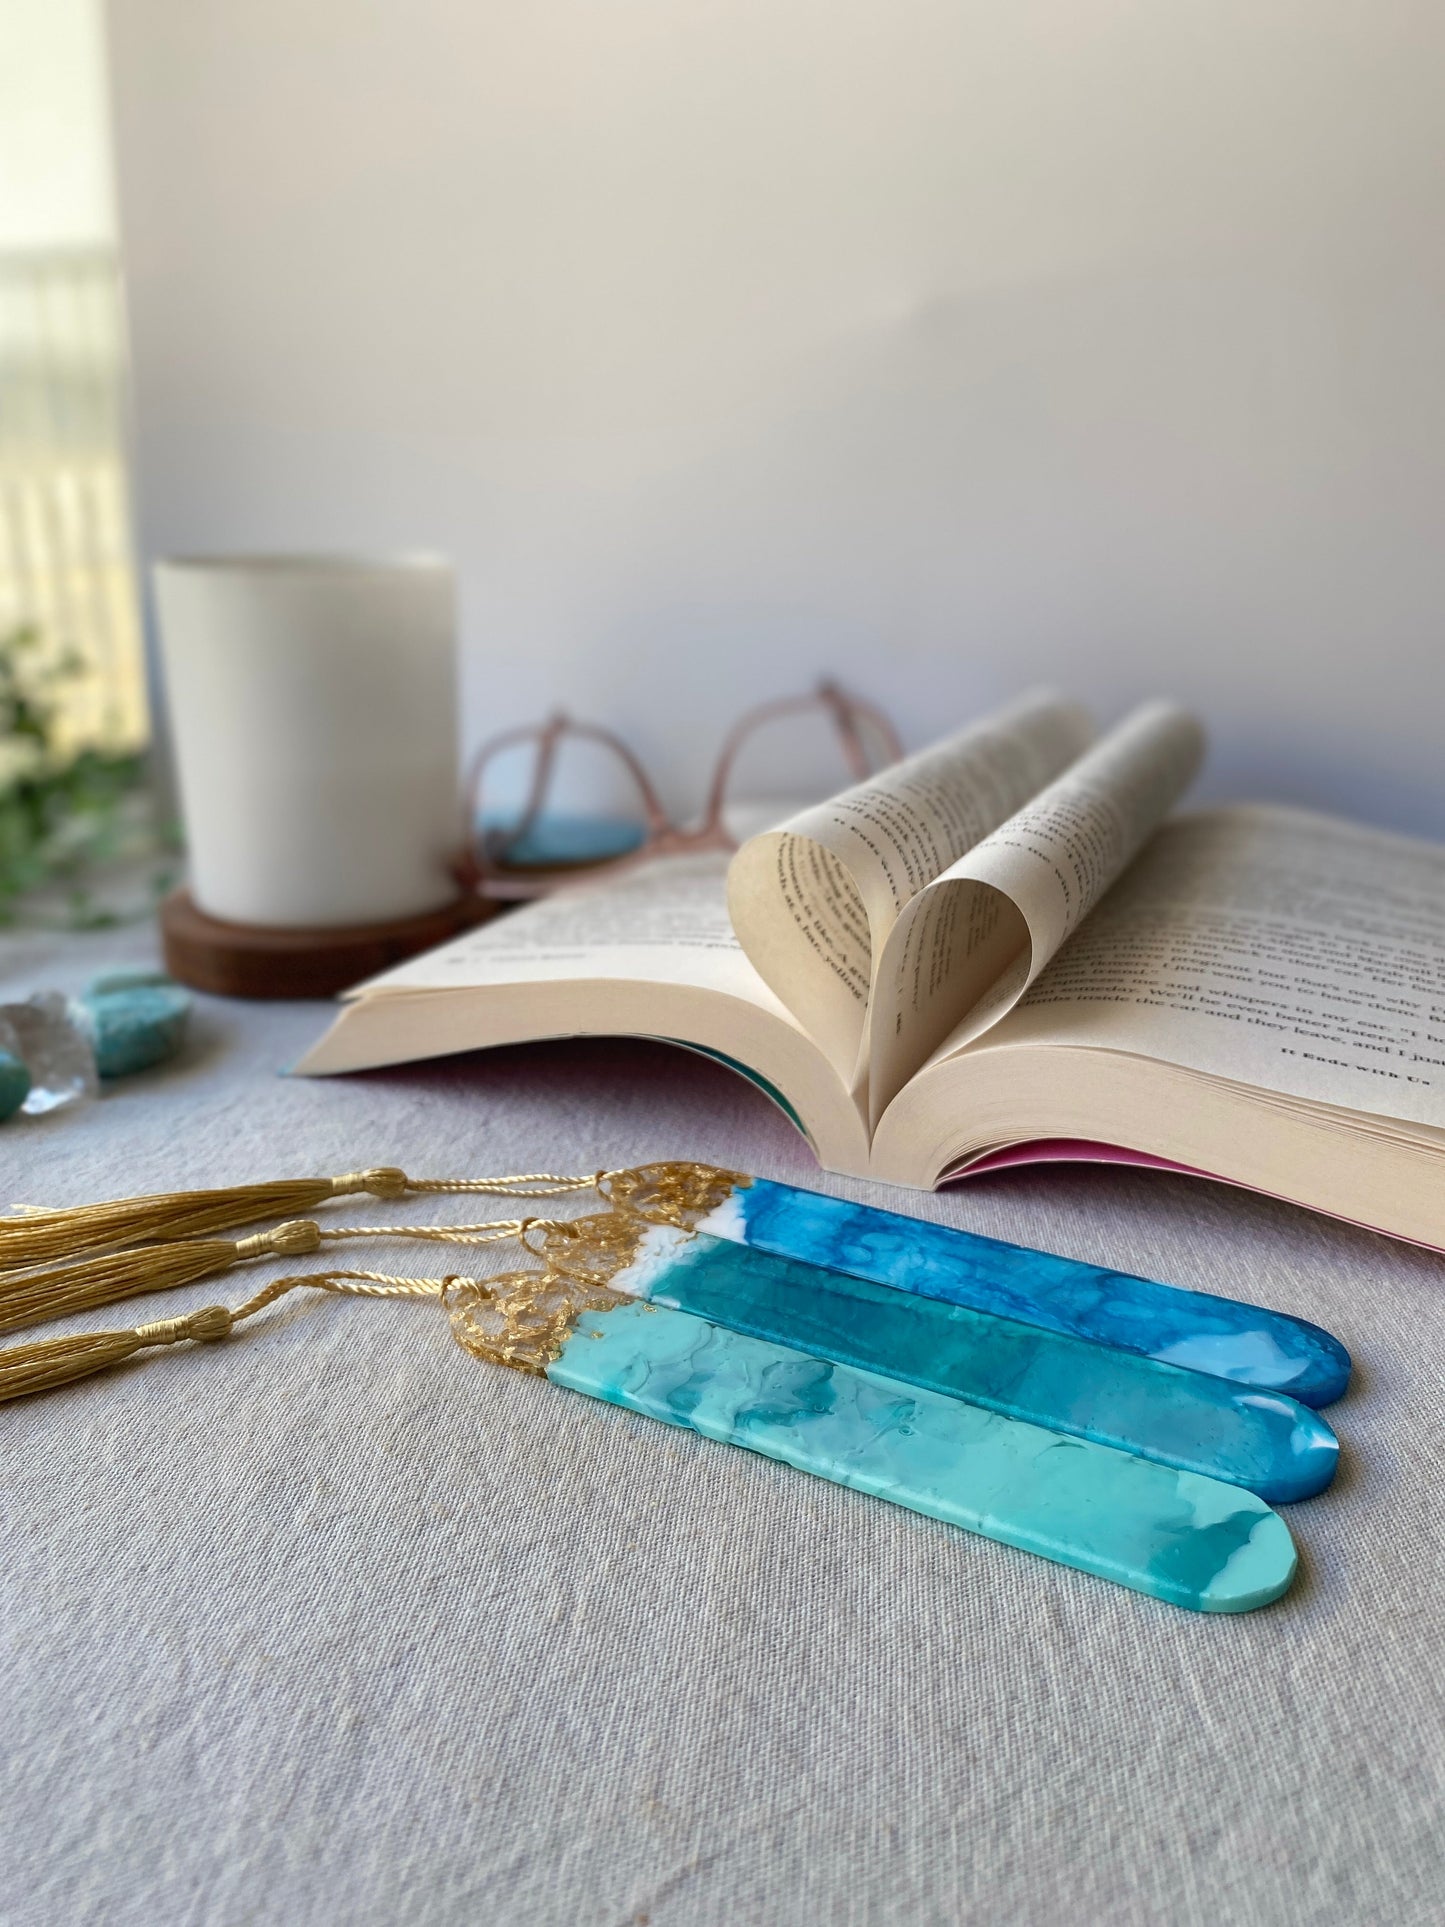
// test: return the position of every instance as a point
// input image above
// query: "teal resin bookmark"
(1191, 1541)
(1219, 1336)
(1264, 1441)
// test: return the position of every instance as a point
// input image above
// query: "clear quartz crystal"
(43, 1034)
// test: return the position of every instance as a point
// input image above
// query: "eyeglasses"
(518, 850)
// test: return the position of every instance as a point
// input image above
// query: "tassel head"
(59, 1361)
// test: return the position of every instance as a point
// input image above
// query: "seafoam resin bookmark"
(1192, 1541)
(1265, 1441)
(1220, 1336)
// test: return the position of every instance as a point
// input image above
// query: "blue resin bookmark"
(1192, 1541)
(1265, 1441)
(1220, 1336)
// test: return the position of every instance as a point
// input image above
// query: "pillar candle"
(313, 709)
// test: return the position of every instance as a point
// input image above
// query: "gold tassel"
(56, 1361)
(37, 1237)
(35, 1297)
(50, 1362)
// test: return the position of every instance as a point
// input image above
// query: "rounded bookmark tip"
(1309, 1465)
(1259, 1572)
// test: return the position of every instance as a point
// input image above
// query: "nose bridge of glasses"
(845, 721)
(656, 815)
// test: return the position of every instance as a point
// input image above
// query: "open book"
(1001, 949)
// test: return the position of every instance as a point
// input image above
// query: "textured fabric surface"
(332, 1623)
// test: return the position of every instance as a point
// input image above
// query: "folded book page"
(815, 900)
(968, 945)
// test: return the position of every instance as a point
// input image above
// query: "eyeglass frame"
(478, 870)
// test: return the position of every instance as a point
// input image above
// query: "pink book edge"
(1076, 1150)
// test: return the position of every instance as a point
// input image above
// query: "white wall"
(949, 344)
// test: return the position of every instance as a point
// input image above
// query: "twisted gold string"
(348, 1284)
(488, 1232)
(522, 1318)
(531, 1184)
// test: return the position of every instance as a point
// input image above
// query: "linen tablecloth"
(332, 1623)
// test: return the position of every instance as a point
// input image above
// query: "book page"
(814, 901)
(971, 942)
(1290, 952)
(645, 952)
(665, 921)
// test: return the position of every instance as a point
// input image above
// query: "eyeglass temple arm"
(547, 737)
(657, 821)
(846, 712)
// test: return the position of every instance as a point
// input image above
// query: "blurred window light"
(66, 568)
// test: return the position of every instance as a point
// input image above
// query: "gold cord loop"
(530, 1184)
(460, 1234)
(677, 1192)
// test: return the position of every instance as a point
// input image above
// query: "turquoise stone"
(1192, 1541)
(110, 981)
(14, 1084)
(134, 1025)
(1263, 1440)
(1220, 1336)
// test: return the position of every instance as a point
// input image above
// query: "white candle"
(313, 708)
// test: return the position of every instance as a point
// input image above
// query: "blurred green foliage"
(65, 819)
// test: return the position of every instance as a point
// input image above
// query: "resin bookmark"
(1265, 1441)
(1192, 1541)
(1220, 1336)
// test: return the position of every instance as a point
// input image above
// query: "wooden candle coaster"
(247, 960)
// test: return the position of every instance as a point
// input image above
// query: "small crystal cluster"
(43, 1039)
(54, 1050)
